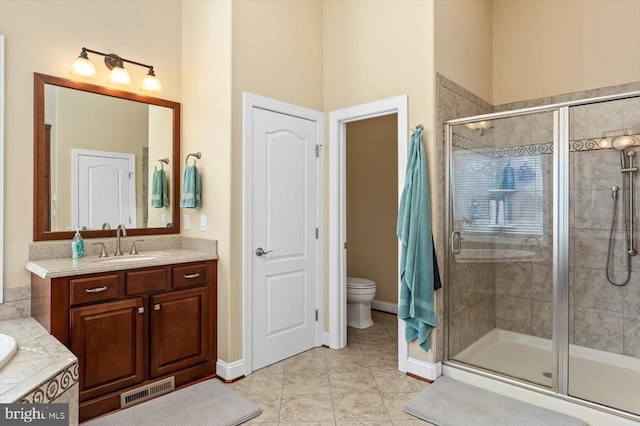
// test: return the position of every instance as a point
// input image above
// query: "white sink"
(133, 258)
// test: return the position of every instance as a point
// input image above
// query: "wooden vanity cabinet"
(178, 330)
(108, 339)
(132, 328)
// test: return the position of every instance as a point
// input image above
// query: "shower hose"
(614, 195)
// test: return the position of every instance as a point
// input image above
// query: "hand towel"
(417, 275)
(190, 188)
(159, 189)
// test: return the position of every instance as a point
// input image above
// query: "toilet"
(360, 293)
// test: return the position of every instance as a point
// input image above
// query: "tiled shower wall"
(517, 296)
(474, 315)
(607, 317)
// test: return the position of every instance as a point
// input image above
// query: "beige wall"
(206, 120)
(545, 48)
(277, 52)
(46, 37)
(372, 203)
(464, 44)
(378, 49)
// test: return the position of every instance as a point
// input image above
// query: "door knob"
(260, 251)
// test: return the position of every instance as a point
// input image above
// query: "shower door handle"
(456, 242)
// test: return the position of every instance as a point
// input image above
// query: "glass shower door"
(500, 198)
(604, 327)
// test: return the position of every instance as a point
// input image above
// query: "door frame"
(250, 101)
(337, 210)
(75, 180)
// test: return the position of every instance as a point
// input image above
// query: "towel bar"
(198, 155)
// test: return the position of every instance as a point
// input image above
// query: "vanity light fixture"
(83, 68)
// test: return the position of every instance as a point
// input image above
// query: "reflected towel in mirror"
(159, 189)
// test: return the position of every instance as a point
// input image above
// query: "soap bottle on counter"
(77, 246)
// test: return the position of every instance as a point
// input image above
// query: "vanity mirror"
(96, 154)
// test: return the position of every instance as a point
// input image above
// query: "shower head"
(486, 131)
(482, 127)
(624, 141)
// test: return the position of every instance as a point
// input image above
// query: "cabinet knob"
(156, 307)
(141, 310)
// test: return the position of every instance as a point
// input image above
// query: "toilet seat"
(360, 283)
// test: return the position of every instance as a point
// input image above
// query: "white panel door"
(104, 189)
(284, 226)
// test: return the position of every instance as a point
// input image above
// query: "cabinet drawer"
(94, 289)
(190, 275)
(148, 281)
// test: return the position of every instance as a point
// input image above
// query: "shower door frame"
(561, 243)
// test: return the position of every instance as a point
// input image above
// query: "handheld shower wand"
(621, 143)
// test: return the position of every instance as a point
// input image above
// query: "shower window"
(499, 175)
(484, 205)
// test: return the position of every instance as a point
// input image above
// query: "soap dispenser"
(508, 177)
(77, 246)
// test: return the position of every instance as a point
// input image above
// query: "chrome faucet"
(106, 225)
(122, 228)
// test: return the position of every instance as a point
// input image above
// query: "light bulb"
(83, 67)
(119, 77)
(151, 84)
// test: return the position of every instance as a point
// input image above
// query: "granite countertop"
(40, 357)
(64, 267)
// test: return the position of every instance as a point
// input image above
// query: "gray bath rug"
(208, 403)
(448, 402)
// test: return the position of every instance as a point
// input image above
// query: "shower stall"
(543, 277)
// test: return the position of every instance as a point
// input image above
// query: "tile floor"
(357, 385)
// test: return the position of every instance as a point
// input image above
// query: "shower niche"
(544, 280)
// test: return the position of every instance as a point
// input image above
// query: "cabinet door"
(178, 330)
(107, 339)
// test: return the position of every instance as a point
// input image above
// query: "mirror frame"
(40, 190)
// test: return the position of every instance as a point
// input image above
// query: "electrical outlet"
(186, 222)
(203, 222)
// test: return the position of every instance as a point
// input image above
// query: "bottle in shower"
(508, 177)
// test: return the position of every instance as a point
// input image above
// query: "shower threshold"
(603, 377)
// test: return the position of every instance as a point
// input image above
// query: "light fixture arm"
(111, 59)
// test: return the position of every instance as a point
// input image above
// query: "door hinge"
(316, 315)
(318, 150)
(317, 232)
(130, 175)
(345, 244)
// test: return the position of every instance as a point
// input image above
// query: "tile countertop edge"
(64, 267)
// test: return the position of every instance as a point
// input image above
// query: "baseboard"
(325, 339)
(424, 369)
(383, 306)
(230, 371)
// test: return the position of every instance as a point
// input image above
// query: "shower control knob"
(261, 252)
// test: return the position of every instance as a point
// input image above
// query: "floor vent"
(146, 392)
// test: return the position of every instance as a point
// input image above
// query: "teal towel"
(416, 304)
(190, 188)
(159, 189)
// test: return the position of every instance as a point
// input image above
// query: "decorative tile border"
(52, 389)
(580, 145)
